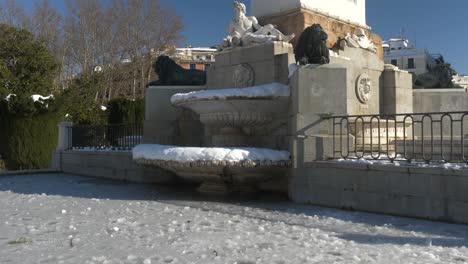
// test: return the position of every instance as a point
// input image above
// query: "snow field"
(70, 219)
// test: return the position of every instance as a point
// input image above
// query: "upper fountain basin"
(237, 107)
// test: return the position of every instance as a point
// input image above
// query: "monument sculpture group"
(282, 104)
(245, 30)
(256, 104)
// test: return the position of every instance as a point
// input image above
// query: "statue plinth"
(251, 66)
(297, 19)
(353, 11)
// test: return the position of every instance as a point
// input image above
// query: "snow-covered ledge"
(267, 91)
(152, 154)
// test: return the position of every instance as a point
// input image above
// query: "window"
(411, 63)
(208, 57)
(394, 63)
(193, 66)
(207, 66)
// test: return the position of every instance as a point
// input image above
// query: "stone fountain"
(259, 118)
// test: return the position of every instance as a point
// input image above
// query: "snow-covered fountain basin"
(220, 170)
(237, 107)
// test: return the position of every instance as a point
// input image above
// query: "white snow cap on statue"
(192, 154)
(353, 11)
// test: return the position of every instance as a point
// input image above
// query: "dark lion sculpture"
(171, 74)
(439, 76)
(312, 46)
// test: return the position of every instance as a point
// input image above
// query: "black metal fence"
(114, 137)
(424, 137)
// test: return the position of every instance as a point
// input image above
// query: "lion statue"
(312, 46)
(439, 76)
(171, 74)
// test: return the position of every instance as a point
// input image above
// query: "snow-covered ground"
(70, 219)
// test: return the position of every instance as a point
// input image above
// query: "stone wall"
(429, 193)
(166, 124)
(296, 20)
(115, 165)
(440, 100)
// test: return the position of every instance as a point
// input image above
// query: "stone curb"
(28, 172)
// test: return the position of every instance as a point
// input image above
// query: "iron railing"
(115, 137)
(416, 137)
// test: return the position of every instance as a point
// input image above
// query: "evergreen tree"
(26, 65)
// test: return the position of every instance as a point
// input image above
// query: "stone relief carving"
(245, 30)
(359, 40)
(244, 76)
(363, 88)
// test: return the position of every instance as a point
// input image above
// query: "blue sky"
(439, 26)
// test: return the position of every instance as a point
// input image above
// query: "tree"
(46, 25)
(26, 65)
(96, 34)
(11, 13)
(145, 29)
(79, 103)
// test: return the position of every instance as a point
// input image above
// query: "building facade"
(461, 80)
(400, 53)
(194, 58)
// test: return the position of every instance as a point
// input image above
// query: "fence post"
(64, 136)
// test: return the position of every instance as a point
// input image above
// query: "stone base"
(296, 20)
(222, 189)
(411, 191)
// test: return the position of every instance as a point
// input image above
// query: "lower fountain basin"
(220, 170)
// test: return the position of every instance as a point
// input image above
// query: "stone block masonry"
(115, 165)
(296, 20)
(428, 193)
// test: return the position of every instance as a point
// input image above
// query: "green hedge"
(28, 142)
(2, 165)
(123, 111)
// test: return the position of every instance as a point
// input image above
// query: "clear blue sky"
(439, 26)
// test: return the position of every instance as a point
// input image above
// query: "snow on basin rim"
(271, 90)
(192, 154)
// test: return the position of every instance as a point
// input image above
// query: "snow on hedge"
(192, 154)
(40, 98)
(34, 97)
(272, 90)
(8, 97)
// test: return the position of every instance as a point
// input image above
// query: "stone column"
(64, 142)
(397, 93)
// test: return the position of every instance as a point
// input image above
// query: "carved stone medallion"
(363, 88)
(244, 76)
